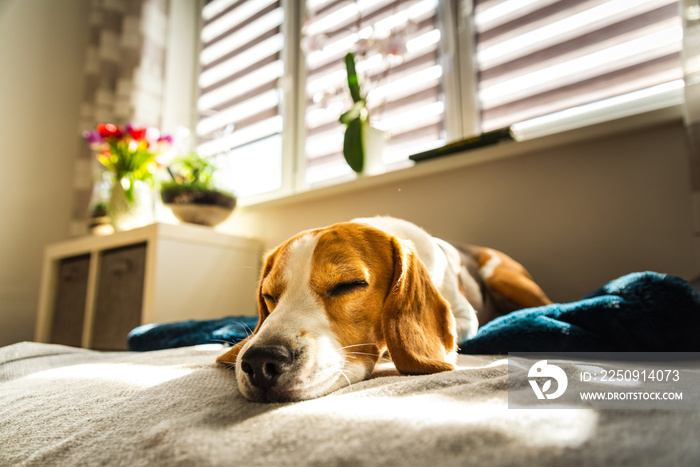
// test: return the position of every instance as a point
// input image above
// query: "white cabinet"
(96, 289)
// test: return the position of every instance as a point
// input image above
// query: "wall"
(576, 216)
(41, 58)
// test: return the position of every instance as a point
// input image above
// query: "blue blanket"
(185, 333)
(640, 312)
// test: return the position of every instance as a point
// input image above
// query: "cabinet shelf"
(96, 289)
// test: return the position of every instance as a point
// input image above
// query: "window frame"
(461, 117)
(447, 50)
(294, 161)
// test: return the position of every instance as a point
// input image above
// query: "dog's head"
(331, 301)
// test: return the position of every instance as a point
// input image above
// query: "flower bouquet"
(131, 155)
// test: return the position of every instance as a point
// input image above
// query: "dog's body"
(333, 300)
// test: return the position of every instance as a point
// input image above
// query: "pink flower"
(92, 137)
(166, 139)
(392, 45)
(313, 43)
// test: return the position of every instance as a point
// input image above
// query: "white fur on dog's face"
(298, 320)
(331, 301)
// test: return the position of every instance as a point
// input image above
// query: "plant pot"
(374, 150)
(130, 205)
(197, 206)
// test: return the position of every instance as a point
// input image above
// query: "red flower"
(109, 130)
(137, 133)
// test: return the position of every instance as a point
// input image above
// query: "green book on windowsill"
(484, 139)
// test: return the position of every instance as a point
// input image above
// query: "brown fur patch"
(511, 280)
(347, 253)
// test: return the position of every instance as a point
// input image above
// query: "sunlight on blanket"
(540, 427)
(140, 376)
(209, 348)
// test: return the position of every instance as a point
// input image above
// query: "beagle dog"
(333, 300)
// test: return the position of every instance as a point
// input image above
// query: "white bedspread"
(67, 406)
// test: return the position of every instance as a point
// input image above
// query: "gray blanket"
(67, 406)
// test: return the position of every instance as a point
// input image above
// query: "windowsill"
(475, 156)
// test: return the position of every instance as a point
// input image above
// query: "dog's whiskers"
(342, 372)
(247, 328)
(355, 345)
(364, 353)
(248, 331)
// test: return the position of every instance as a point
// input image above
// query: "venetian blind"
(404, 90)
(239, 102)
(536, 57)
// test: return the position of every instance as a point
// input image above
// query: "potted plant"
(362, 144)
(191, 194)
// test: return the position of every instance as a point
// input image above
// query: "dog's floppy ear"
(417, 323)
(229, 358)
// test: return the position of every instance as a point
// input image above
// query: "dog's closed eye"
(346, 287)
(271, 298)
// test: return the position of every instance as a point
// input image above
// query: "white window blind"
(404, 91)
(535, 57)
(240, 103)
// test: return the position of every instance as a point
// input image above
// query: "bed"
(68, 406)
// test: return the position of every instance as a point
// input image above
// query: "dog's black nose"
(265, 363)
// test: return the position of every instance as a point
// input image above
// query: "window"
(273, 81)
(240, 102)
(536, 57)
(397, 50)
